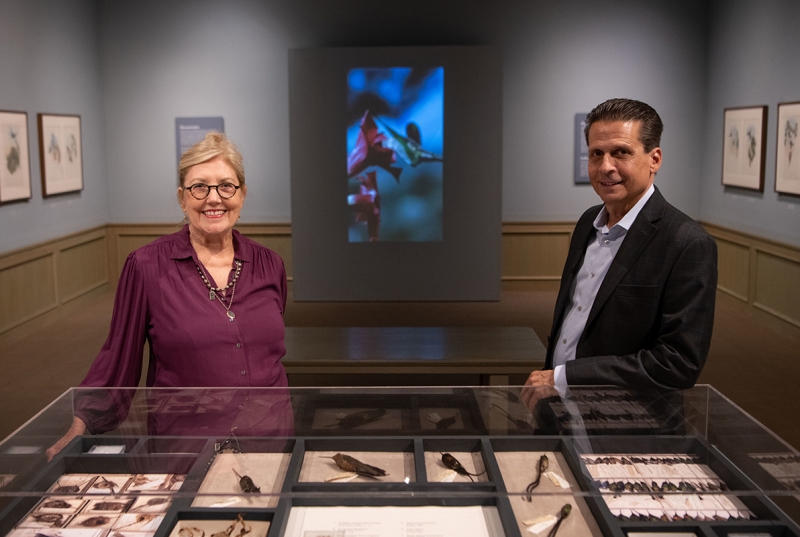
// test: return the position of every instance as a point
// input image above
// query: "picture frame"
(15, 168)
(787, 150)
(60, 153)
(743, 147)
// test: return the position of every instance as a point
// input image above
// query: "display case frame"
(699, 423)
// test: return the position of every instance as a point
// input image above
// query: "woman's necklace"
(213, 291)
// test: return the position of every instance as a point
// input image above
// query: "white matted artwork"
(60, 153)
(787, 154)
(743, 155)
(15, 169)
(475, 521)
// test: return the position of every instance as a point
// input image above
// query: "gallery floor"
(754, 359)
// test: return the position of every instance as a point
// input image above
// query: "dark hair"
(629, 110)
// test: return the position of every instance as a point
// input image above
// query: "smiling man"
(636, 303)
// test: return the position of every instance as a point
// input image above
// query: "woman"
(208, 301)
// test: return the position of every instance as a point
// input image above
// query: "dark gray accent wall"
(49, 63)
(753, 56)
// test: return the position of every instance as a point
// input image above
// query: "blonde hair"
(214, 145)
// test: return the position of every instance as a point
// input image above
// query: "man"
(636, 303)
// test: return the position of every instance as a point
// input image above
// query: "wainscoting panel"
(37, 283)
(534, 254)
(778, 286)
(276, 237)
(761, 272)
(125, 238)
(28, 290)
(82, 268)
(734, 268)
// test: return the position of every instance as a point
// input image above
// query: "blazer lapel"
(580, 238)
(636, 240)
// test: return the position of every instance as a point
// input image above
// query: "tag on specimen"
(341, 477)
(557, 480)
(99, 449)
(434, 417)
(538, 525)
(448, 476)
(226, 502)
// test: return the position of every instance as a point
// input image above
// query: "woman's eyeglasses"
(201, 191)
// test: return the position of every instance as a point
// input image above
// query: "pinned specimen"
(95, 521)
(246, 483)
(54, 520)
(68, 489)
(351, 464)
(191, 532)
(356, 419)
(56, 504)
(227, 532)
(541, 468)
(103, 483)
(453, 463)
(565, 511)
(110, 506)
(152, 502)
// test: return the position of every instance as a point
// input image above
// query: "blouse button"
(244, 372)
(238, 345)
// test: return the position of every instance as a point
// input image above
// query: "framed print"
(60, 148)
(581, 165)
(15, 169)
(743, 157)
(787, 153)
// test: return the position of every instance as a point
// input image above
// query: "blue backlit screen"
(395, 154)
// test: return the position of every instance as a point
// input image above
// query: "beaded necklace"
(214, 292)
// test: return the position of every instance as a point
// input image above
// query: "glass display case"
(313, 462)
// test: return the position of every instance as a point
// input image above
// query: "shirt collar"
(630, 216)
(182, 247)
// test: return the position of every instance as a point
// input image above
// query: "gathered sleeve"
(119, 362)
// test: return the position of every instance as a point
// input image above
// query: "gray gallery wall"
(49, 63)
(753, 52)
(167, 59)
(129, 68)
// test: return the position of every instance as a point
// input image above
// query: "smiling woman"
(208, 301)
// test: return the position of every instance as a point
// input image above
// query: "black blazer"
(651, 321)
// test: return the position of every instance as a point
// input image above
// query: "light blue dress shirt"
(599, 255)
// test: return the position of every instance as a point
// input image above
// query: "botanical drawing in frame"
(743, 157)
(60, 149)
(15, 168)
(787, 153)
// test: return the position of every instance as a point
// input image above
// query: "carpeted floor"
(754, 359)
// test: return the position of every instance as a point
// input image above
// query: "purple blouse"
(162, 299)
